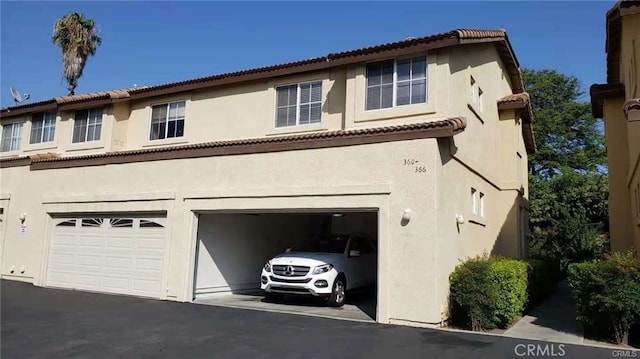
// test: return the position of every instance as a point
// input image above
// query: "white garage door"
(120, 254)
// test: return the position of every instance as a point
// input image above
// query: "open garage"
(233, 248)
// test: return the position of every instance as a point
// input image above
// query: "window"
(87, 125)
(393, 83)
(473, 200)
(11, 134)
(121, 222)
(92, 222)
(67, 223)
(149, 224)
(167, 121)
(477, 202)
(476, 93)
(299, 104)
(43, 127)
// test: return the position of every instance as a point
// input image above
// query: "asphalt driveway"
(49, 323)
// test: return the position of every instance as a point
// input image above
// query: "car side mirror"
(288, 250)
(354, 253)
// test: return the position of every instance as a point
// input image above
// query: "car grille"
(287, 280)
(290, 290)
(290, 271)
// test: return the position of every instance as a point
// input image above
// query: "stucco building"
(185, 189)
(618, 103)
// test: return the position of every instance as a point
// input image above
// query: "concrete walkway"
(553, 320)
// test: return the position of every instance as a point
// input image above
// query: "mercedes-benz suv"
(323, 267)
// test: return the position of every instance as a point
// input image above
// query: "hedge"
(488, 293)
(607, 294)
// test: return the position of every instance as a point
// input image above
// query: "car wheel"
(336, 299)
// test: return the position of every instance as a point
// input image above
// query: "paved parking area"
(359, 306)
(48, 323)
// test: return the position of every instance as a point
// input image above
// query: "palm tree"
(78, 38)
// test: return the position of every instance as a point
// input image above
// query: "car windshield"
(332, 244)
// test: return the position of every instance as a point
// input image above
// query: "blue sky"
(149, 43)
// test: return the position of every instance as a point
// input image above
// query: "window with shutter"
(299, 104)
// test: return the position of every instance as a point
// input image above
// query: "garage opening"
(233, 249)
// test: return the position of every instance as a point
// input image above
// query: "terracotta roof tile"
(520, 98)
(451, 38)
(455, 125)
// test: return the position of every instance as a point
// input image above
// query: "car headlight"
(322, 269)
(267, 267)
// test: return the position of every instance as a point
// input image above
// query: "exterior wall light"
(22, 217)
(406, 216)
(459, 219)
(631, 109)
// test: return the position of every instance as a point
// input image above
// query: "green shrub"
(607, 293)
(542, 277)
(488, 293)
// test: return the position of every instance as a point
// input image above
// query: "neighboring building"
(618, 103)
(185, 189)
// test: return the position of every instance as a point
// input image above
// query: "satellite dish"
(17, 97)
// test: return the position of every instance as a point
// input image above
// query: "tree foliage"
(78, 39)
(567, 175)
(567, 135)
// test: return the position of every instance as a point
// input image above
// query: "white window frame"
(394, 85)
(299, 103)
(477, 98)
(16, 134)
(46, 116)
(477, 203)
(94, 125)
(474, 194)
(166, 122)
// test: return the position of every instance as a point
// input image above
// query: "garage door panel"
(117, 284)
(109, 255)
(88, 280)
(117, 262)
(148, 264)
(64, 239)
(150, 243)
(143, 285)
(63, 258)
(60, 279)
(119, 242)
(89, 260)
(94, 240)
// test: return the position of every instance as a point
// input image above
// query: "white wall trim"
(109, 197)
(371, 189)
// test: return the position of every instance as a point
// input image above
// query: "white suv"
(323, 267)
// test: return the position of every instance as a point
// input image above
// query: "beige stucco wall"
(623, 147)
(371, 176)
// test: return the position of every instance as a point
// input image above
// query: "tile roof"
(441, 40)
(444, 128)
(521, 102)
